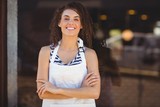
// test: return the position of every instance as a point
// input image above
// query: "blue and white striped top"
(75, 61)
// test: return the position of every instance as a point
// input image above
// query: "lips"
(70, 28)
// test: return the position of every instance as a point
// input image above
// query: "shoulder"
(90, 53)
(91, 60)
(44, 51)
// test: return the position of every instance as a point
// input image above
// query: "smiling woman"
(85, 34)
(68, 73)
(70, 23)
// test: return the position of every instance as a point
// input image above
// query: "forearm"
(84, 92)
(48, 95)
(90, 88)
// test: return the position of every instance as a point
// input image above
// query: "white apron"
(65, 76)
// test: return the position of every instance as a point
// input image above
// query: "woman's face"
(70, 23)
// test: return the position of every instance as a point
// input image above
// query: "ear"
(59, 25)
(81, 27)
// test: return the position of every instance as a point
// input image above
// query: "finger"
(88, 79)
(89, 74)
(93, 84)
(92, 77)
(40, 88)
(92, 81)
(42, 81)
(39, 91)
(43, 91)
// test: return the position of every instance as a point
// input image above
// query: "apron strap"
(81, 51)
(55, 52)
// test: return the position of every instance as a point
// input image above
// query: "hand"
(90, 80)
(46, 86)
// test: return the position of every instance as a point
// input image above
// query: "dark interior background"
(34, 17)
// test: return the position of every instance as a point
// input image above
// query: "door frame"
(3, 53)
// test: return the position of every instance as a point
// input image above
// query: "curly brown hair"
(85, 33)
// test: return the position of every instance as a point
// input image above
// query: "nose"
(71, 21)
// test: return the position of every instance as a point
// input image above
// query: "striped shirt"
(57, 60)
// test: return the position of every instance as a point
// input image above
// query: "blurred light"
(158, 23)
(115, 32)
(114, 41)
(131, 12)
(127, 35)
(144, 17)
(156, 29)
(103, 17)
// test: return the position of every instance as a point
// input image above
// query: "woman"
(68, 72)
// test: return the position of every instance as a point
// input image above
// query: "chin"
(71, 35)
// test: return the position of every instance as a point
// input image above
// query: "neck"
(69, 43)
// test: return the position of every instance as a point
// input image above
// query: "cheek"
(60, 24)
(79, 25)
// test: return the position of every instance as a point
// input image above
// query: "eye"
(66, 18)
(76, 19)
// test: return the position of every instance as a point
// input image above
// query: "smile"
(70, 28)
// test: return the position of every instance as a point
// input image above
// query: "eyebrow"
(74, 16)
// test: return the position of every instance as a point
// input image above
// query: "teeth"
(70, 28)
